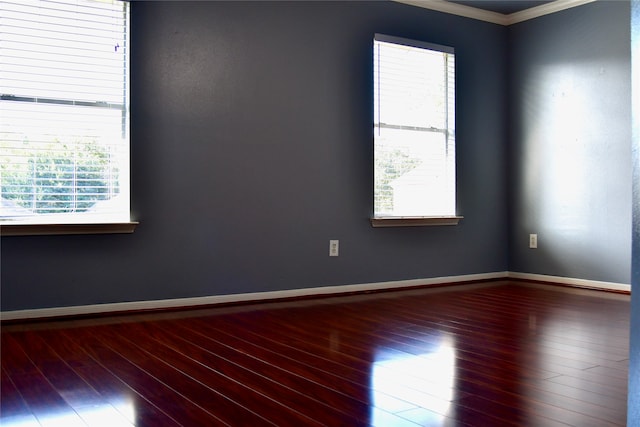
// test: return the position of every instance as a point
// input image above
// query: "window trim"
(67, 229)
(414, 43)
(414, 221)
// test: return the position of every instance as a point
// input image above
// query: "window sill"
(414, 221)
(59, 229)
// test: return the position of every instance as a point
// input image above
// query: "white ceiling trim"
(544, 9)
(459, 9)
(495, 17)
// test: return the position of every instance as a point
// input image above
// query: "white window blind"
(414, 129)
(64, 111)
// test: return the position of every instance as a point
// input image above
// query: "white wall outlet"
(334, 247)
(533, 241)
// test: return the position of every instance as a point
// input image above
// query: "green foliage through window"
(389, 165)
(56, 178)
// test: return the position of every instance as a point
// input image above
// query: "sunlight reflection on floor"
(117, 414)
(418, 387)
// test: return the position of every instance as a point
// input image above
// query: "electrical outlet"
(533, 241)
(334, 247)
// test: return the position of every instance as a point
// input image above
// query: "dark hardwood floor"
(492, 354)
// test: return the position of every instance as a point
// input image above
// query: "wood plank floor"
(491, 354)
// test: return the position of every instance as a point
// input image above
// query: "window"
(414, 131)
(64, 112)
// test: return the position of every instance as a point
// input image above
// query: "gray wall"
(252, 147)
(569, 145)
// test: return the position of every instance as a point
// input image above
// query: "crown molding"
(459, 9)
(544, 9)
(495, 17)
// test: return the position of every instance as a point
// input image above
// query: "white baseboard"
(234, 298)
(294, 293)
(579, 283)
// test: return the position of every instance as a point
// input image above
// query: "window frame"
(378, 220)
(87, 224)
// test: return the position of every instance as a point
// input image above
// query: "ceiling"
(506, 7)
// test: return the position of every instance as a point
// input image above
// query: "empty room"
(323, 213)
